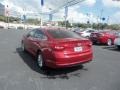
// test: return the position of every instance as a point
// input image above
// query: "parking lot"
(18, 70)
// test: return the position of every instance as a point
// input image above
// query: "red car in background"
(57, 48)
(103, 37)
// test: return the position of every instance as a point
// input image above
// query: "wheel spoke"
(40, 61)
(109, 42)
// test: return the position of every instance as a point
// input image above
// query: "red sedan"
(57, 48)
(103, 37)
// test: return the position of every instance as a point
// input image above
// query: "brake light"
(59, 47)
(56, 46)
(90, 44)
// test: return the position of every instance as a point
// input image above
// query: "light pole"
(7, 14)
(24, 17)
(41, 22)
(108, 19)
(100, 17)
(101, 14)
(50, 15)
(65, 22)
(42, 4)
(88, 19)
(66, 15)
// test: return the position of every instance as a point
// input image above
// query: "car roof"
(50, 28)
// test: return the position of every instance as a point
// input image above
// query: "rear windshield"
(60, 34)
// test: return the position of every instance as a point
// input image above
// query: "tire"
(109, 42)
(98, 43)
(118, 47)
(40, 60)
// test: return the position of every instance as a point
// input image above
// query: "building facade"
(2, 10)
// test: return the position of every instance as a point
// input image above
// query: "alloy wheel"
(40, 60)
(109, 42)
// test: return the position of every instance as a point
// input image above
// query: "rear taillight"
(90, 44)
(57, 47)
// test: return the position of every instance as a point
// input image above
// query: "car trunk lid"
(72, 46)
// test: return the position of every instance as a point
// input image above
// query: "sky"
(86, 10)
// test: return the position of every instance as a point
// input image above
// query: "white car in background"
(11, 27)
(117, 41)
(87, 33)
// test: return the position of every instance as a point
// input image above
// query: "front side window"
(90, 31)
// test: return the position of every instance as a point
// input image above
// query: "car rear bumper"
(70, 61)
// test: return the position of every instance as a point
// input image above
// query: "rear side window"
(39, 34)
(90, 31)
(60, 34)
(31, 33)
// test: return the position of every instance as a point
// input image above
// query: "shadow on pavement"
(95, 44)
(48, 72)
(112, 48)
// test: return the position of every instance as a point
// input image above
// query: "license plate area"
(78, 49)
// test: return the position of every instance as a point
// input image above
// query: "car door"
(38, 42)
(28, 39)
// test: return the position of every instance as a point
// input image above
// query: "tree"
(2, 18)
(114, 27)
(62, 23)
(33, 21)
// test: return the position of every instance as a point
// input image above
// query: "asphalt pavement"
(18, 70)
